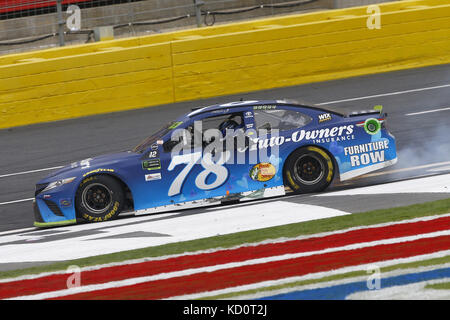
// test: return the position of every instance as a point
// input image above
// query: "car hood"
(81, 167)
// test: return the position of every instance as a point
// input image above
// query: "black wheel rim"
(97, 198)
(309, 169)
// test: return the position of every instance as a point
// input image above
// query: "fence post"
(60, 22)
(198, 12)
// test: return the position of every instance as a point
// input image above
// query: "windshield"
(157, 135)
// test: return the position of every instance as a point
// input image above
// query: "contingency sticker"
(153, 176)
(152, 164)
(262, 172)
(324, 117)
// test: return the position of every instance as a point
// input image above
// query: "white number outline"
(208, 165)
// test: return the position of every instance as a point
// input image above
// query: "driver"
(231, 124)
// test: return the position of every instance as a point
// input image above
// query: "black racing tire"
(99, 198)
(309, 169)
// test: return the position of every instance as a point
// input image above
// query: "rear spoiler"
(376, 111)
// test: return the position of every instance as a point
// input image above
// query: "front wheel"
(308, 169)
(99, 198)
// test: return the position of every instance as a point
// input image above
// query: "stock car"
(275, 146)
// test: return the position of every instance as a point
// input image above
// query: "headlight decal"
(58, 183)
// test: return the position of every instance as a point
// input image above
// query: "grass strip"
(230, 240)
(335, 277)
(439, 286)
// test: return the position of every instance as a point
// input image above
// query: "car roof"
(252, 103)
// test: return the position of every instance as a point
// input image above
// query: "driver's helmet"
(229, 124)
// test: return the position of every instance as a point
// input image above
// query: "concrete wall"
(33, 26)
(354, 3)
(118, 75)
(144, 11)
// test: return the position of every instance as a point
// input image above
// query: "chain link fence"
(35, 24)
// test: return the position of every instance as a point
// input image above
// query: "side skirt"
(243, 196)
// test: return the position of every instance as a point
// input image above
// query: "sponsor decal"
(326, 135)
(87, 180)
(86, 163)
(97, 171)
(153, 176)
(65, 203)
(154, 147)
(83, 163)
(153, 164)
(159, 142)
(265, 107)
(262, 172)
(249, 126)
(372, 126)
(220, 111)
(368, 153)
(47, 196)
(153, 154)
(248, 114)
(106, 217)
(324, 117)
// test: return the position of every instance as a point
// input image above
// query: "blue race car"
(224, 153)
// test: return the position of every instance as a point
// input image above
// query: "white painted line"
(439, 169)
(384, 94)
(30, 171)
(404, 169)
(428, 111)
(186, 272)
(5, 233)
(16, 201)
(433, 184)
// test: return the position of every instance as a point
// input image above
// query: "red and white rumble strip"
(265, 262)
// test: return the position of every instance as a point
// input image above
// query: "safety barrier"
(118, 75)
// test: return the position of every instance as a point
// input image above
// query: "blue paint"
(340, 292)
(154, 156)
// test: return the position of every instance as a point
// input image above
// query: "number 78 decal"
(207, 163)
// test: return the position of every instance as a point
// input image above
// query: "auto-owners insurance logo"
(212, 150)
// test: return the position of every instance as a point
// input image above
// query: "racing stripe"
(157, 266)
(207, 281)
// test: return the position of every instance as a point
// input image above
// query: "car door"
(195, 167)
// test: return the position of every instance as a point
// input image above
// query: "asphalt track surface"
(417, 102)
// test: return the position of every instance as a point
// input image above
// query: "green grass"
(335, 277)
(439, 286)
(231, 240)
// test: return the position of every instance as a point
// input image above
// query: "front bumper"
(46, 216)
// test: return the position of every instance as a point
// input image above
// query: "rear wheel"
(308, 169)
(99, 198)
